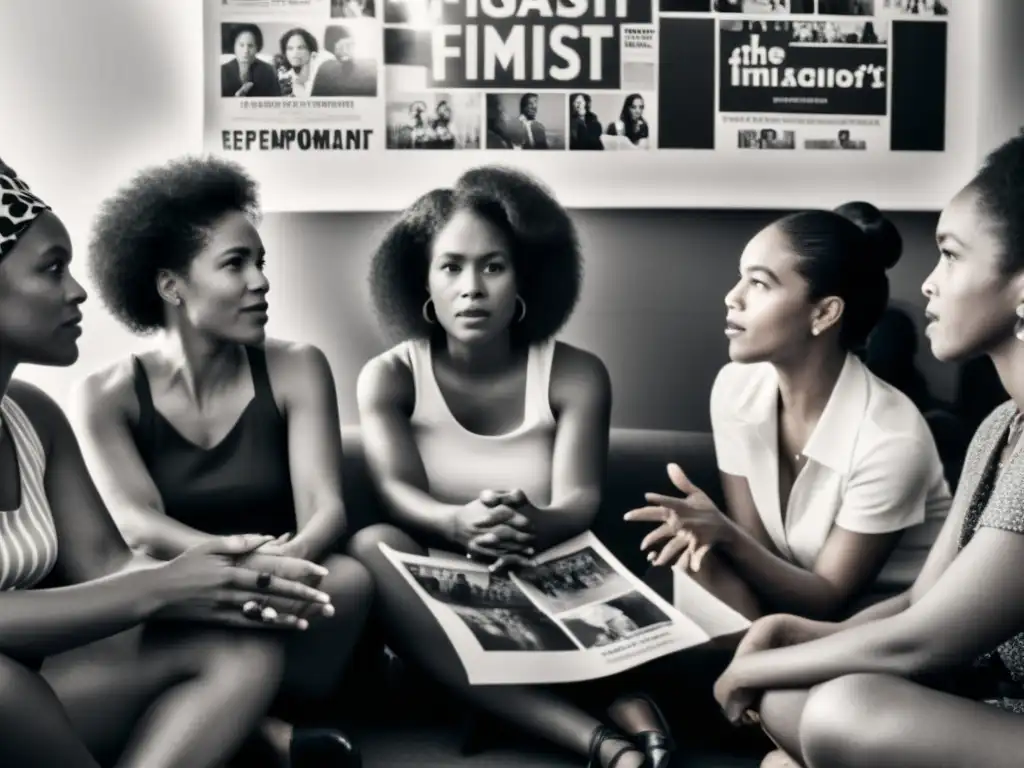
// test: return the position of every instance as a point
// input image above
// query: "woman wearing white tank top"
(485, 435)
(67, 578)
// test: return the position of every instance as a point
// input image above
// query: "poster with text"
(376, 90)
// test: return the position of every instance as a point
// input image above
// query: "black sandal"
(323, 746)
(657, 745)
(602, 734)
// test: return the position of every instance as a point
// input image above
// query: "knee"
(365, 544)
(846, 721)
(777, 708)
(349, 584)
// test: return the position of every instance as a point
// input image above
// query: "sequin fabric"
(996, 501)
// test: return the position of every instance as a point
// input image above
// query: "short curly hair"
(161, 220)
(544, 246)
(1000, 188)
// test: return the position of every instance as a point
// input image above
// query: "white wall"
(100, 88)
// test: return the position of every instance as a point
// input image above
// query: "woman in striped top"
(67, 578)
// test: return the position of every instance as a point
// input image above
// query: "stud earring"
(1018, 328)
(815, 331)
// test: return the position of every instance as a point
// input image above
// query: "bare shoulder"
(106, 392)
(294, 367)
(577, 373)
(386, 381)
(41, 410)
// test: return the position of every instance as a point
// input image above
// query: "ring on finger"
(263, 580)
(251, 609)
(268, 613)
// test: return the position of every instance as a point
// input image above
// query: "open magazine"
(579, 615)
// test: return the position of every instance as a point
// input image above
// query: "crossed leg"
(415, 634)
(889, 722)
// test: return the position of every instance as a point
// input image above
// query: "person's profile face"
(224, 292)
(245, 47)
(530, 108)
(297, 52)
(471, 278)
(579, 106)
(768, 315)
(972, 302)
(636, 109)
(39, 298)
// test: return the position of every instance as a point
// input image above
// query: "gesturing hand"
(688, 527)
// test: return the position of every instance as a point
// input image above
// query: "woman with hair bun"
(832, 482)
(949, 652)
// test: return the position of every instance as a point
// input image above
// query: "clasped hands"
(498, 526)
(688, 526)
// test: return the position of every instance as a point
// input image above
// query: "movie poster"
(481, 78)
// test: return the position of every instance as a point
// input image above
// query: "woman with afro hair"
(487, 436)
(216, 429)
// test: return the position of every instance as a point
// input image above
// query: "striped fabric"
(28, 539)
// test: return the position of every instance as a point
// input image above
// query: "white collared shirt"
(872, 465)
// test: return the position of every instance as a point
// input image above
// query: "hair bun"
(885, 242)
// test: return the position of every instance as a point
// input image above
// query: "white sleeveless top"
(459, 463)
(28, 538)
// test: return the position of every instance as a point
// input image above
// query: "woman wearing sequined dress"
(935, 676)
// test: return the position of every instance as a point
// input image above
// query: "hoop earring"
(523, 304)
(426, 313)
(1018, 328)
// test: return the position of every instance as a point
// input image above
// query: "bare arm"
(885, 494)
(101, 407)
(385, 393)
(314, 453)
(106, 597)
(740, 508)
(942, 553)
(848, 563)
(974, 606)
(581, 399)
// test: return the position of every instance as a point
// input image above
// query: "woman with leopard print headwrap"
(175, 693)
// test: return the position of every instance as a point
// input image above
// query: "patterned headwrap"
(19, 207)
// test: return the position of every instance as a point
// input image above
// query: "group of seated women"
(176, 547)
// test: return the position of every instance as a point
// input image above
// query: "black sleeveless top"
(240, 485)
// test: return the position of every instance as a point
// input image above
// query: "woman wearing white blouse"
(832, 481)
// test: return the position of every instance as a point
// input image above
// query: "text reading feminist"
(552, 43)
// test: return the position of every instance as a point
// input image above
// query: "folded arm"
(976, 604)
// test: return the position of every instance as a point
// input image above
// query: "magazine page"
(707, 611)
(579, 615)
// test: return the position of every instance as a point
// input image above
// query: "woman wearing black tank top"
(218, 430)
(478, 279)
(70, 583)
